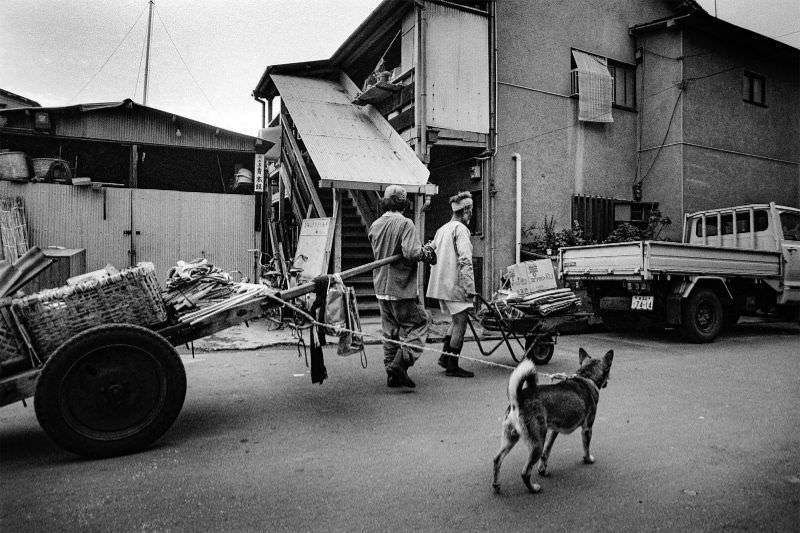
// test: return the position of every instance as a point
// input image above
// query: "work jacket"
(394, 234)
(452, 277)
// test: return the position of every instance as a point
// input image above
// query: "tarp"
(352, 146)
(594, 88)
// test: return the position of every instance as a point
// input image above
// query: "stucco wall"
(740, 152)
(538, 120)
(661, 103)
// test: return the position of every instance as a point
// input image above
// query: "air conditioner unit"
(573, 83)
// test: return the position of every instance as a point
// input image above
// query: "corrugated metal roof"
(130, 122)
(348, 143)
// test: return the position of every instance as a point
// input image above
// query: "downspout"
(492, 190)
(420, 81)
(263, 109)
(518, 177)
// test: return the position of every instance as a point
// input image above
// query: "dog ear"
(582, 355)
(608, 357)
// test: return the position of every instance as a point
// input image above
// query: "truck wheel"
(540, 352)
(110, 390)
(702, 316)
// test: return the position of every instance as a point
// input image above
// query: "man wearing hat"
(452, 281)
(402, 317)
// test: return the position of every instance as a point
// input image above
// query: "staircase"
(356, 249)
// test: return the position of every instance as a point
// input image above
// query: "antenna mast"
(147, 54)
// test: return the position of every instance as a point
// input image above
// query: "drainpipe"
(263, 110)
(420, 80)
(492, 191)
(518, 177)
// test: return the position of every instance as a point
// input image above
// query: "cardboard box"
(532, 276)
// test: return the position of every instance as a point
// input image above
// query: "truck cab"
(767, 227)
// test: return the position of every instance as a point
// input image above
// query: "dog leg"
(586, 435)
(551, 438)
(509, 438)
(536, 453)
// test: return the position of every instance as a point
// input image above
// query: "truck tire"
(702, 318)
(540, 352)
(110, 390)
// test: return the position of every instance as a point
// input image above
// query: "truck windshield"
(791, 226)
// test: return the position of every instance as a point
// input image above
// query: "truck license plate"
(642, 303)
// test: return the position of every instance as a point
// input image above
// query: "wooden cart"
(113, 389)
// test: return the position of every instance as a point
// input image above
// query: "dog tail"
(524, 373)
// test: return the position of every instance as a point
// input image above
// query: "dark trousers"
(407, 321)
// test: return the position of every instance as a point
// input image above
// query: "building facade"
(690, 112)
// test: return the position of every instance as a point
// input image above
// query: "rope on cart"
(415, 347)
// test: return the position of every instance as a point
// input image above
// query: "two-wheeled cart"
(526, 335)
(112, 388)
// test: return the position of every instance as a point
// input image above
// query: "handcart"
(534, 335)
(113, 388)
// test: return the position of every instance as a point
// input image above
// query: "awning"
(594, 88)
(352, 146)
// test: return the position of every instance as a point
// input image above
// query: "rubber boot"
(453, 370)
(398, 372)
(444, 358)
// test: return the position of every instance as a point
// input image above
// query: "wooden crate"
(68, 262)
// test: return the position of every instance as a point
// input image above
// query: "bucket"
(14, 166)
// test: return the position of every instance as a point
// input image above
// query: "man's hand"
(428, 254)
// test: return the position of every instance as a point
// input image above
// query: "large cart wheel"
(702, 316)
(110, 390)
(540, 349)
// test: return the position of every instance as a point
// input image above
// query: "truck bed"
(649, 259)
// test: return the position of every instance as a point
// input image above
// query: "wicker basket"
(52, 316)
(12, 350)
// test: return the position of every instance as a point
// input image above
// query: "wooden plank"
(306, 175)
(337, 230)
(19, 387)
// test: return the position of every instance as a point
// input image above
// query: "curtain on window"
(594, 88)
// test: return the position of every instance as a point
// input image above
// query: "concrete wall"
(738, 152)
(538, 120)
(661, 103)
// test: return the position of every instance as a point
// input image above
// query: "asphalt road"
(688, 438)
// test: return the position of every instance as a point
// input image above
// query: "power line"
(109, 57)
(184, 63)
(786, 34)
(663, 141)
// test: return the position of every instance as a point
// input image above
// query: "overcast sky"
(208, 55)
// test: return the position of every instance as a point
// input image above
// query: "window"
(754, 89)
(790, 223)
(760, 220)
(623, 81)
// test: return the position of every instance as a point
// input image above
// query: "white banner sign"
(258, 175)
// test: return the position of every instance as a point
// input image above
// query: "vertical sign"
(258, 175)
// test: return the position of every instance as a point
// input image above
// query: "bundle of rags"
(542, 303)
(195, 285)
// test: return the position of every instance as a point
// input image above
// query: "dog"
(561, 407)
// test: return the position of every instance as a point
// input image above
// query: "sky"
(208, 55)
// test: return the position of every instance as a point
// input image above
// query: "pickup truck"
(732, 262)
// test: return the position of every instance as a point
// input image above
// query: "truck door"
(790, 246)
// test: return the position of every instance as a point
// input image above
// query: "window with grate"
(754, 89)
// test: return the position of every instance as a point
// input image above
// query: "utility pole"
(147, 53)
